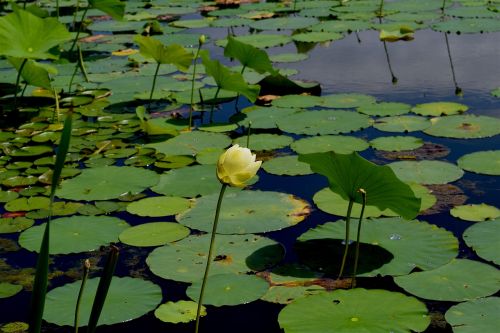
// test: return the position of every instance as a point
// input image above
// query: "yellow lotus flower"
(236, 166)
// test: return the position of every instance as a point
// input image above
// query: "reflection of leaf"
(225, 79)
(349, 173)
(163, 54)
(34, 73)
(248, 55)
(114, 8)
(24, 35)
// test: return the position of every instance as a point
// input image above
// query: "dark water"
(356, 64)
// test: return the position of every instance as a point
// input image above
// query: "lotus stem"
(346, 245)
(78, 30)
(153, 86)
(356, 255)
(86, 269)
(381, 8)
(248, 134)
(213, 104)
(82, 64)
(18, 79)
(191, 109)
(209, 257)
(394, 79)
(458, 90)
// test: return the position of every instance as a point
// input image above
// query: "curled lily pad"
(484, 238)
(475, 213)
(456, 281)
(103, 183)
(464, 127)
(247, 212)
(178, 312)
(483, 162)
(426, 172)
(158, 206)
(153, 234)
(184, 260)
(229, 289)
(141, 296)
(479, 315)
(355, 310)
(75, 234)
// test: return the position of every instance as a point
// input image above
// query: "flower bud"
(236, 166)
(202, 39)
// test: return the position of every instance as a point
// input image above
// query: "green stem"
(86, 268)
(213, 104)
(442, 6)
(381, 8)
(191, 109)
(358, 237)
(72, 78)
(77, 8)
(346, 246)
(82, 64)
(18, 79)
(57, 9)
(238, 95)
(153, 87)
(209, 257)
(248, 134)
(78, 30)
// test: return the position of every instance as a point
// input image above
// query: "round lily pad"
(75, 234)
(260, 40)
(456, 281)
(263, 117)
(30, 151)
(158, 206)
(436, 109)
(288, 57)
(108, 182)
(317, 37)
(297, 101)
(341, 144)
(153, 234)
(385, 109)
(185, 260)
(396, 143)
(413, 244)
(323, 122)
(291, 22)
(479, 315)
(14, 224)
(287, 294)
(127, 299)
(484, 238)
(190, 143)
(354, 310)
(402, 124)
(27, 204)
(483, 162)
(426, 172)
(178, 312)
(246, 212)
(344, 101)
(464, 127)
(6, 196)
(475, 213)
(287, 165)
(229, 289)
(468, 25)
(261, 142)
(9, 289)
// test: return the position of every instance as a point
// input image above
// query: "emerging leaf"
(173, 54)
(248, 55)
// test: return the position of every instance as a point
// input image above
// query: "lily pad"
(437, 109)
(15, 224)
(229, 289)
(246, 212)
(402, 124)
(9, 289)
(264, 141)
(153, 234)
(323, 122)
(480, 315)
(178, 312)
(464, 127)
(27, 204)
(413, 244)
(190, 143)
(427, 172)
(141, 297)
(103, 183)
(475, 213)
(317, 37)
(468, 25)
(385, 109)
(344, 101)
(482, 162)
(263, 117)
(456, 281)
(185, 260)
(288, 57)
(297, 101)
(281, 23)
(324, 143)
(260, 40)
(158, 206)
(286, 165)
(396, 143)
(75, 234)
(355, 310)
(484, 238)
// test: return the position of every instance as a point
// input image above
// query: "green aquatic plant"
(173, 54)
(42, 266)
(235, 167)
(361, 181)
(249, 56)
(201, 41)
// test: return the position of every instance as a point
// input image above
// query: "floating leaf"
(27, 204)
(190, 143)
(178, 312)
(286, 165)
(457, 281)
(8, 290)
(355, 310)
(153, 234)
(229, 289)
(75, 234)
(279, 23)
(427, 172)
(264, 141)
(482, 162)
(324, 143)
(480, 315)
(141, 297)
(384, 109)
(158, 206)
(468, 25)
(317, 37)
(464, 127)
(260, 40)
(297, 101)
(396, 143)
(402, 32)
(347, 100)
(14, 224)
(402, 124)
(246, 212)
(475, 213)
(484, 238)
(184, 260)
(439, 109)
